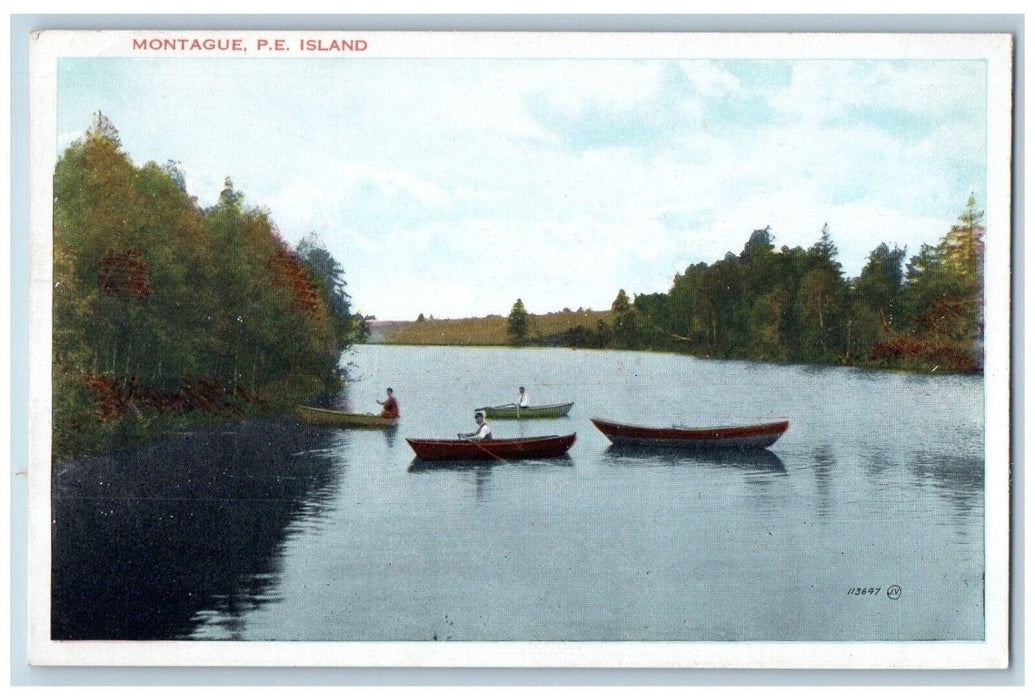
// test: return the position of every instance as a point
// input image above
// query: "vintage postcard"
(520, 349)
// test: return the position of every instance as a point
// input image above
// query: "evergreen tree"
(625, 320)
(517, 323)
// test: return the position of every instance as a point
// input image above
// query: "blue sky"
(453, 186)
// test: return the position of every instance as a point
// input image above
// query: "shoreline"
(937, 371)
(274, 428)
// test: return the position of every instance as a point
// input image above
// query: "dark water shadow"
(754, 459)
(958, 479)
(483, 469)
(824, 461)
(143, 540)
(418, 465)
(480, 470)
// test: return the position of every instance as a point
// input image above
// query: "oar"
(481, 447)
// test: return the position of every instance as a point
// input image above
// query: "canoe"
(518, 448)
(324, 416)
(553, 410)
(726, 437)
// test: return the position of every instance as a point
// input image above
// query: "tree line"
(797, 305)
(167, 314)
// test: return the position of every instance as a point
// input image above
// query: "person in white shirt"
(484, 432)
(523, 400)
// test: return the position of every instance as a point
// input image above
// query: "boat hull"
(324, 416)
(522, 448)
(510, 412)
(740, 437)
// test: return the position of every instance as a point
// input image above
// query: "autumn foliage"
(168, 314)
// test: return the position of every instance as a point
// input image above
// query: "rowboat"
(726, 437)
(518, 448)
(552, 410)
(324, 416)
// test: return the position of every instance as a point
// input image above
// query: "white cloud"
(829, 89)
(709, 79)
(440, 191)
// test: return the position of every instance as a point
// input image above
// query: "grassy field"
(489, 330)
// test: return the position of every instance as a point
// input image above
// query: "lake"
(270, 530)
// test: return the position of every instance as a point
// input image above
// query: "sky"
(451, 187)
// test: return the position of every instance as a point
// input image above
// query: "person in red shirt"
(391, 406)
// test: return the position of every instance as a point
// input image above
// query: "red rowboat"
(736, 437)
(519, 448)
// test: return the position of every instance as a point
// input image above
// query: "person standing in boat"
(484, 432)
(391, 406)
(523, 399)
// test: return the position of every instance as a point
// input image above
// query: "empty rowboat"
(325, 416)
(553, 410)
(519, 448)
(727, 437)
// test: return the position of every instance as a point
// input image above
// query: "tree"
(626, 320)
(164, 311)
(942, 296)
(823, 252)
(879, 285)
(720, 307)
(102, 128)
(821, 302)
(684, 320)
(876, 301)
(331, 275)
(963, 246)
(517, 324)
(818, 303)
(760, 239)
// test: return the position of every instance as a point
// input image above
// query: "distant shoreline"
(866, 367)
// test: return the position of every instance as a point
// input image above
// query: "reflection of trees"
(823, 463)
(145, 539)
(877, 461)
(957, 478)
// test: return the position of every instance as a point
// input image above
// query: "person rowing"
(524, 401)
(484, 432)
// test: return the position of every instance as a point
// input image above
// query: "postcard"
(520, 349)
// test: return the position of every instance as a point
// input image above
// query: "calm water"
(271, 531)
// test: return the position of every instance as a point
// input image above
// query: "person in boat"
(484, 432)
(391, 406)
(523, 399)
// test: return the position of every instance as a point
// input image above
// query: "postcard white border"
(992, 653)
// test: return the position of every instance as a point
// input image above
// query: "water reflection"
(759, 460)
(877, 461)
(823, 463)
(331, 537)
(482, 469)
(957, 478)
(145, 540)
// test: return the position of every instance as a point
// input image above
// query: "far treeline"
(795, 305)
(169, 315)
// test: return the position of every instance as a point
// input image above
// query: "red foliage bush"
(286, 271)
(124, 274)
